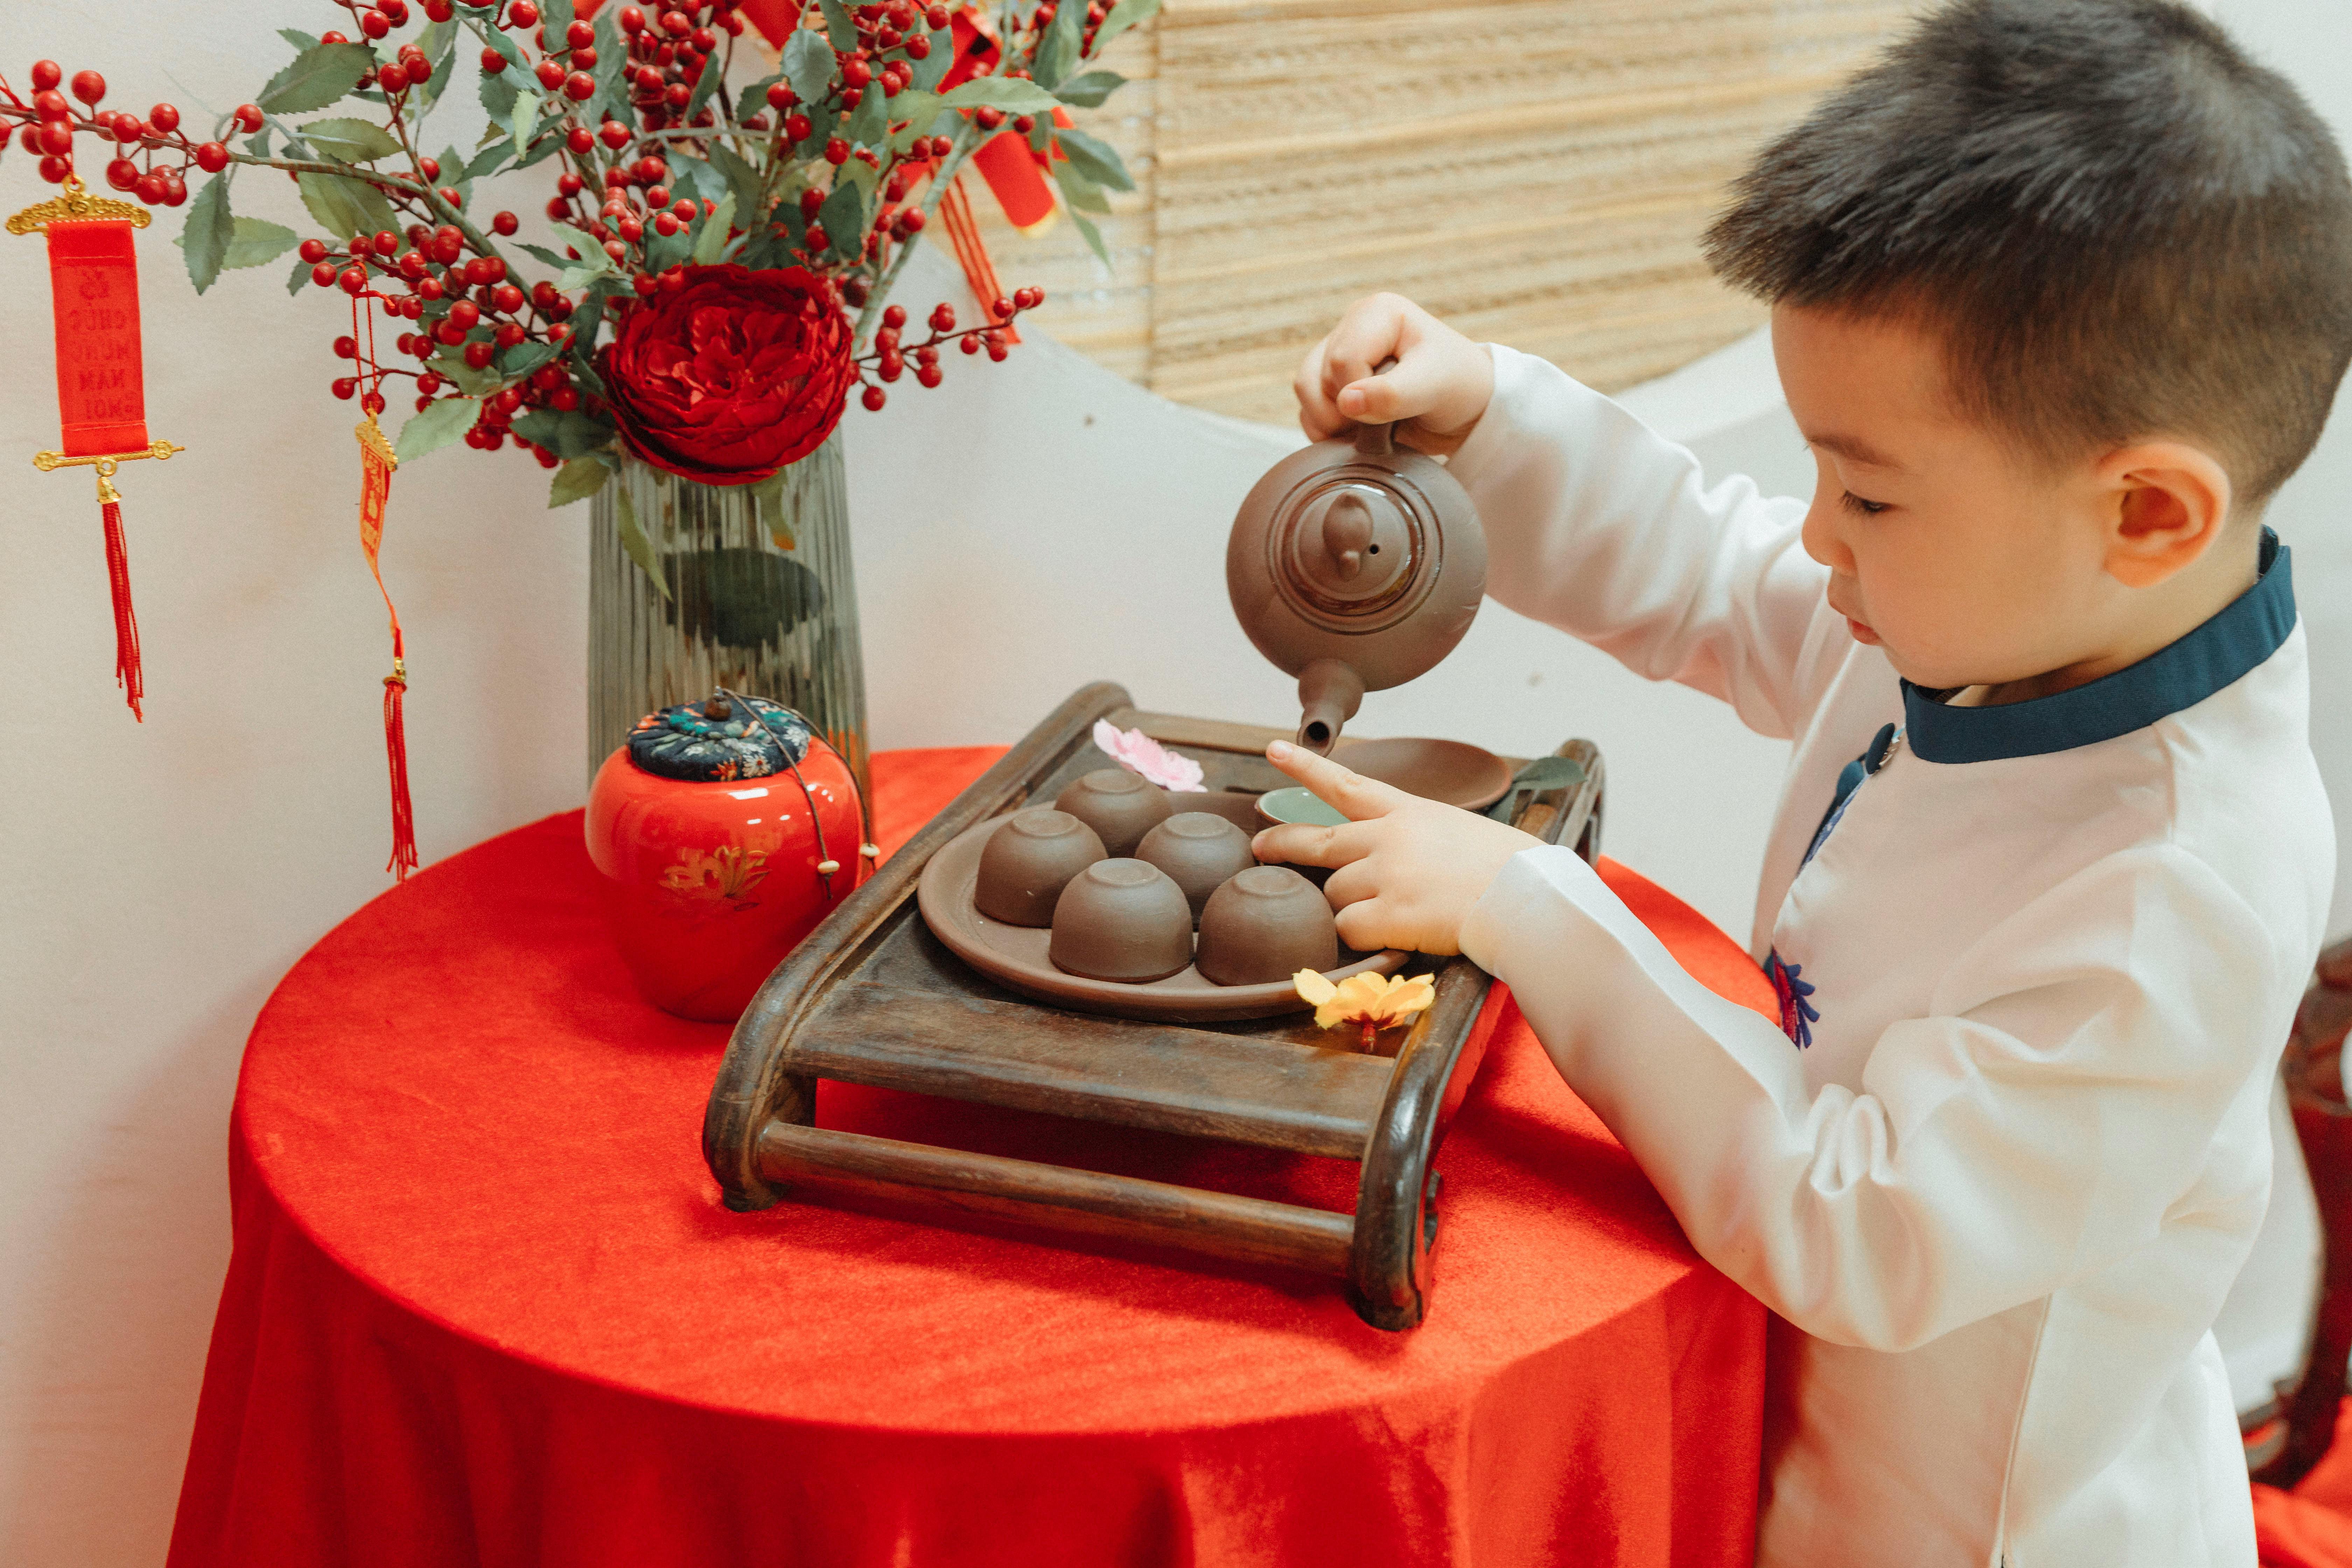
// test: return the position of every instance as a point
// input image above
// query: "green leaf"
(252, 242)
(932, 68)
(1095, 160)
(350, 140)
(693, 178)
(446, 421)
(712, 238)
(572, 435)
(525, 119)
(742, 180)
(844, 216)
(556, 17)
(317, 78)
(869, 123)
(498, 94)
(593, 263)
(1009, 94)
(520, 361)
(1125, 15)
(808, 64)
(473, 383)
(299, 38)
(1058, 50)
(1093, 235)
(634, 539)
(862, 174)
(301, 279)
(612, 99)
(1079, 191)
(439, 42)
(259, 142)
(208, 232)
(704, 86)
(577, 481)
(540, 253)
(346, 206)
(839, 27)
(483, 162)
(1089, 91)
(456, 170)
(497, 38)
(917, 109)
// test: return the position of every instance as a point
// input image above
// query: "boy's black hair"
(2120, 225)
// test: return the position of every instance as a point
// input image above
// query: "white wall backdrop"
(1028, 527)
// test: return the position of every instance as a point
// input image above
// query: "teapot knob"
(1347, 530)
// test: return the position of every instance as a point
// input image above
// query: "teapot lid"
(717, 741)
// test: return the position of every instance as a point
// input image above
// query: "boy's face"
(1968, 564)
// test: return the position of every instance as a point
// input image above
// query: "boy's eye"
(1854, 502)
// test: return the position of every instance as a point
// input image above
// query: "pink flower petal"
(1139, 754)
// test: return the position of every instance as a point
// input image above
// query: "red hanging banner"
(101, 391)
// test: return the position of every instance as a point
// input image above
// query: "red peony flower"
(732, 375)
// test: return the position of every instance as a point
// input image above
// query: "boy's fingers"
(1318, 416)
(1372, 329)
(1355, 797)
(1351, 884)
(1363, 926)
(1311, 844)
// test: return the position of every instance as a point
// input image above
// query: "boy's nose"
(1821, 540)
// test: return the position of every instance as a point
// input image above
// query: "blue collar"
(2179, 675)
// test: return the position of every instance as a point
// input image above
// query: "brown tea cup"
(1028, 861)
(1265, 924)
(1121, 920)
(1120, 806)
(1198, 851)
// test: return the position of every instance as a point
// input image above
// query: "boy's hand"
(1440, 385)
(1406, 870)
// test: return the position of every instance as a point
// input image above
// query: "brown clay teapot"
(1354, 565)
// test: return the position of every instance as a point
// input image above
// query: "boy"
(2062, 291)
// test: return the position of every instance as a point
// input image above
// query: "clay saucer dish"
(1448, 771)
(1015, 956)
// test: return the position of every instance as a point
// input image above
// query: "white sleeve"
(2061, 1096)
(1597, 525)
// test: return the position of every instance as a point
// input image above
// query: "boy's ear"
(2163, 504)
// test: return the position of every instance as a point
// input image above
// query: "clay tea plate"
(1448, 771)
(1014, 956)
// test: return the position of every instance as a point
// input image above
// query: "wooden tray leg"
(1396, 1202)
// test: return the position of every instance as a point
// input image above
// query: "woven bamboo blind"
(1537, 171)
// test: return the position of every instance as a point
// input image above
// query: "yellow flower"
(1375, 1001)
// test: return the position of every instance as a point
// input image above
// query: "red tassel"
(126, 625)
(395, 747)
(972, 251)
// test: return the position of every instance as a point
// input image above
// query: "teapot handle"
(1378, 440)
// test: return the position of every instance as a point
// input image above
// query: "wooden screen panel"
(1537, 172)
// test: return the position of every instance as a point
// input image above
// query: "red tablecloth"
(485, 1306)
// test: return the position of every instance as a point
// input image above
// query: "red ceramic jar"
(710, 878)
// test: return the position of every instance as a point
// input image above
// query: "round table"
(485, 1306)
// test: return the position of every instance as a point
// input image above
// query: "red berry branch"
(834, 162)
(890, 359)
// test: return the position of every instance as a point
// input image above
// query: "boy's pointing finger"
(1355, 795)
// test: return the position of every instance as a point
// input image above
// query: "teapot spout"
(1329, 692)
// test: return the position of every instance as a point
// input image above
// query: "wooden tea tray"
(871, 996)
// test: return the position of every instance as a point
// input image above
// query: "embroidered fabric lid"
(716, 741)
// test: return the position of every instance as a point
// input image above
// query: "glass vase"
(766, 611)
